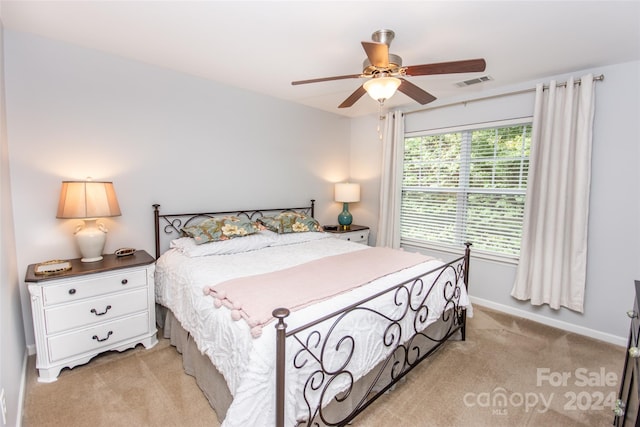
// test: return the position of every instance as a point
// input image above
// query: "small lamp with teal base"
(346, 193)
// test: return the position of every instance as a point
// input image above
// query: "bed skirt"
(196, 364)
(213, 384)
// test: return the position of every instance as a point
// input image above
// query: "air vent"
(474, 81)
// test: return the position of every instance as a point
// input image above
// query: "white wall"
(613, 252)
(13, 354)
(161, 137)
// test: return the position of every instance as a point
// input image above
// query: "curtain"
(553, 251)
(391, 181)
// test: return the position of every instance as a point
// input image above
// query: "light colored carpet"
(509, 372)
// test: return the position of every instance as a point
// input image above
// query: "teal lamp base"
(345, 218)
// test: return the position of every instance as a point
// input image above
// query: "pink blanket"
(254, 298)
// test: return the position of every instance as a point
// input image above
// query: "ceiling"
(262, 46)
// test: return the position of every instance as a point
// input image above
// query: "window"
(466, 185)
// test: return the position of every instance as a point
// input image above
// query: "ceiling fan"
(385, 74)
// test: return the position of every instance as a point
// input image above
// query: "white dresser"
(92, 308)
(355, 233)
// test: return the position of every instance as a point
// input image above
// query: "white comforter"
(248, 364)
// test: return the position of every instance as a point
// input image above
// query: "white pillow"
(252, 242)
(293, 238)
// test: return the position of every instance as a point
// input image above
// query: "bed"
(264, 348)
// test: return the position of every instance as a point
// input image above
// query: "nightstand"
(92, 308)
(356, 233)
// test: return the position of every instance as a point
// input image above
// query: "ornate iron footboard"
(404, 336)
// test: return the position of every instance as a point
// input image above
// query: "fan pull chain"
(380, 118)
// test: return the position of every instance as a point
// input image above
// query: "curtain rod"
(599, 77)
(577, 81)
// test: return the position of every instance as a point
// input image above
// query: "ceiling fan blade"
(326, 79)
(378, 53)
(467, 66)
(415, 92)
(353, 98)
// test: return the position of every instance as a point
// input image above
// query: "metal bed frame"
(318, 339)
(172, 223)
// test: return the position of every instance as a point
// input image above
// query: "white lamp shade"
(87, 199)
(381, 88)
(347, 192)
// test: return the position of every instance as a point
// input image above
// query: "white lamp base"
(91, 239)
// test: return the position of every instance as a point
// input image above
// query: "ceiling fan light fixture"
(382, 88)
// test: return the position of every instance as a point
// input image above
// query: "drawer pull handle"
(634, 352)
(72, 291)
(124, 281)
(95, 337)
(632, 314)
(93, 310)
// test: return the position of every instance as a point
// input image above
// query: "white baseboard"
(591, 333)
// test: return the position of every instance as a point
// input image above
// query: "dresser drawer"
(103, 335)
(355, 236)
(92, 311)
(74, 290)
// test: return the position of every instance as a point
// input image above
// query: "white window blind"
(466, 185)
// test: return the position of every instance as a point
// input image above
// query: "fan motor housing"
(395, 63)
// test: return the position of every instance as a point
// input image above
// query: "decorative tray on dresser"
(626, 410)
(90, 308)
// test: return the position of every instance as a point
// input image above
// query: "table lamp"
(88, 200)
(346, 193)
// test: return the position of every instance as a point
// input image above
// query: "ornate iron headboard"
(172, 223)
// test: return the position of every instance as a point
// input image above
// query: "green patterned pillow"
(220, 228)
(290, 222)
(270, 223)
